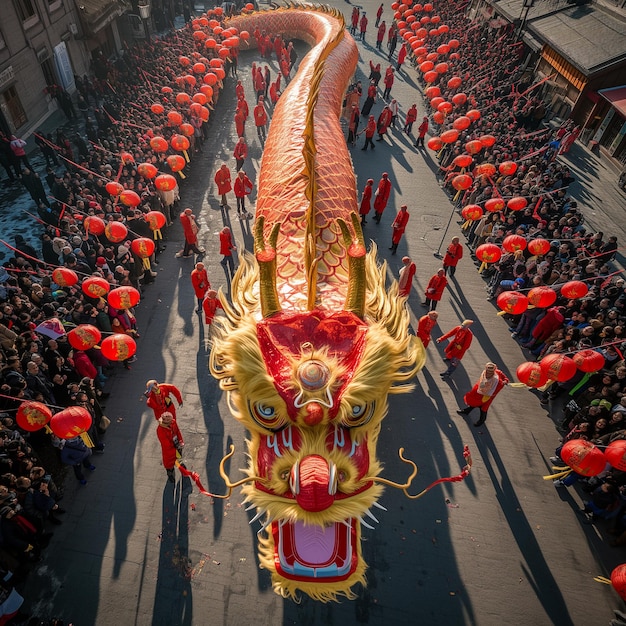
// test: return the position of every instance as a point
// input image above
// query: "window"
(26, 9)
(14, 107)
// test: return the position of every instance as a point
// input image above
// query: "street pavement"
(503, 547)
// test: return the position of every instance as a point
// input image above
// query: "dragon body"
(313, 341)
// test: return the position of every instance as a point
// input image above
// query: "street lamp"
(144, 11)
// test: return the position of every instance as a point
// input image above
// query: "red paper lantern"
(444, 48)
(539, 246)
(558, 367)
(493, 205)
(618, 580)
(435, 143)
(462, 160)
(118, 347)
(583, 457)
(179, 142)
(473, 114)
(93, 225)
(207, 90)
(158, 144)
(115, 232)
(488, 253)
(157, 108)
(84, 337)
(507, 168)
(589, 361)
(64, 277)
(474, 146)
(142, 247)
(184, 61)
(175, 162)
(70, 422)
(441, 68)
(431, 77)
(531, 374)
(487, 140)
(512, 302)
(432, 92)
(167, 90)
(513, 243)
(130, 198)
(165, 182)
(439, 117)
(245, 35)
(461, 123)
(95, 287)
(615, 454)
(200, 98)
(459, 99)
(454, 43)
(186, 129)
(123, 297)
(155, 219)
(542, 297)
(485, 169)
(472, 212)
(449, 136)
(114, 188)
(574, 289)
(147, 170)
(462, 182)
(436, 101)
(517, 204)
(32, 416)
(174, 118)
(445, 107)
(199, 68)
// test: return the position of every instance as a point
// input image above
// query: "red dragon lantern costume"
(313, 341)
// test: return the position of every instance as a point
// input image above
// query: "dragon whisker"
(407, 484)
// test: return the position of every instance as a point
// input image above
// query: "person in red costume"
(160, 398)
(551, 321)
(171, 440)
(454, 253)
(382, 196)
(369, 131)
(223, 181)
(227, 245)
(200, 283)
(398, 227)
(240, 152)
(411, 116)
(190, 229)
(260, 119)
(482, 394)
(242, 187)
(366, 198)
(405, 278)
(421, 130)
(434, 289)
(461, 341)
(425, 326)
(210, 305)
(384, 120)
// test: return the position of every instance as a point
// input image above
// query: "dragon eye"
(266, 416)
(360, 414)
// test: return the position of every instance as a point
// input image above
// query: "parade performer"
(461, 341)
(210, 305)
(454, 253)
(482, 394)
(425, 326)
(200, 283)
(398, 227)
(160, 398)
(171, 440)
(381, 196)
(366, 198)
(405, 277)
(434, 289)
(190, 230)
(223, 182)
(312, 344)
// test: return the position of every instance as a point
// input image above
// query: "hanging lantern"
(435, 143)
(432, 92)
(124, 297)
(539, 246)
(589, 361)
(184, 61)
(439, 117)
(70, 422)
(84, 337)
(114, 188)
(574, 289)
(449, 136)
(186, 129)
(245, 35)
(165, 182)
(531, 374)
(542, 297)
(558, 367)
(158, 144)
(127, 158)
(487, 140)
(115, 232)
(493, 205)
(95, 287)
(473, 114)
(462, 182)
(485, 169)
(147, 170)
(474, 146)
(583, 457)
(517, 204)
(156, 219)
(454, 43)
(167, 90)
(32, 416)
(444, 48)
(210, 79)
(459, 99)
(176, 163)
(180, 143)
(199, 68)
(462, 160)
(200, 98)
(487, 253)
(615, 454)
(512, 302)
(174, 118)
(93, 225)
(472, 212)
(441, 68)
(507, 168)
(130, 198)
(436, 101)
(143, 247)
(462, 123)
(514, 243)
(431, 77)
(118, 347)
(207, 90)
(618, 579)
(64, 277)
(445, 107)
(157, 108)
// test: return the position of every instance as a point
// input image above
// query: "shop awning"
(617, 97)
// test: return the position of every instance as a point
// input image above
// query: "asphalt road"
(505, 547)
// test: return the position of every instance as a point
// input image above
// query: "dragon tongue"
(314, 545)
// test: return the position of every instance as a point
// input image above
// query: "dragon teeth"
(364, 523)
(379, 506)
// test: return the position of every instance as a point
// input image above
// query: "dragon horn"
(266, 258)
(355, 300)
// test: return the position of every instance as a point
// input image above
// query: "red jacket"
(243, 186)
(162, 401)
(370, 129)
(411, 115)
(435, 287)
(473, 398)
(405, 280)
(83, 365)
(454, 254)
(398, 226)
(170, 439)
(226, 242)
(461, 341)
(223, 181)
(189, 227)
(384, 119)
(382, 195)
(365, 207)
(402, 54)
(241, 150)
(200, 282)
(424, 328)
(210, 306)
(260, 115)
